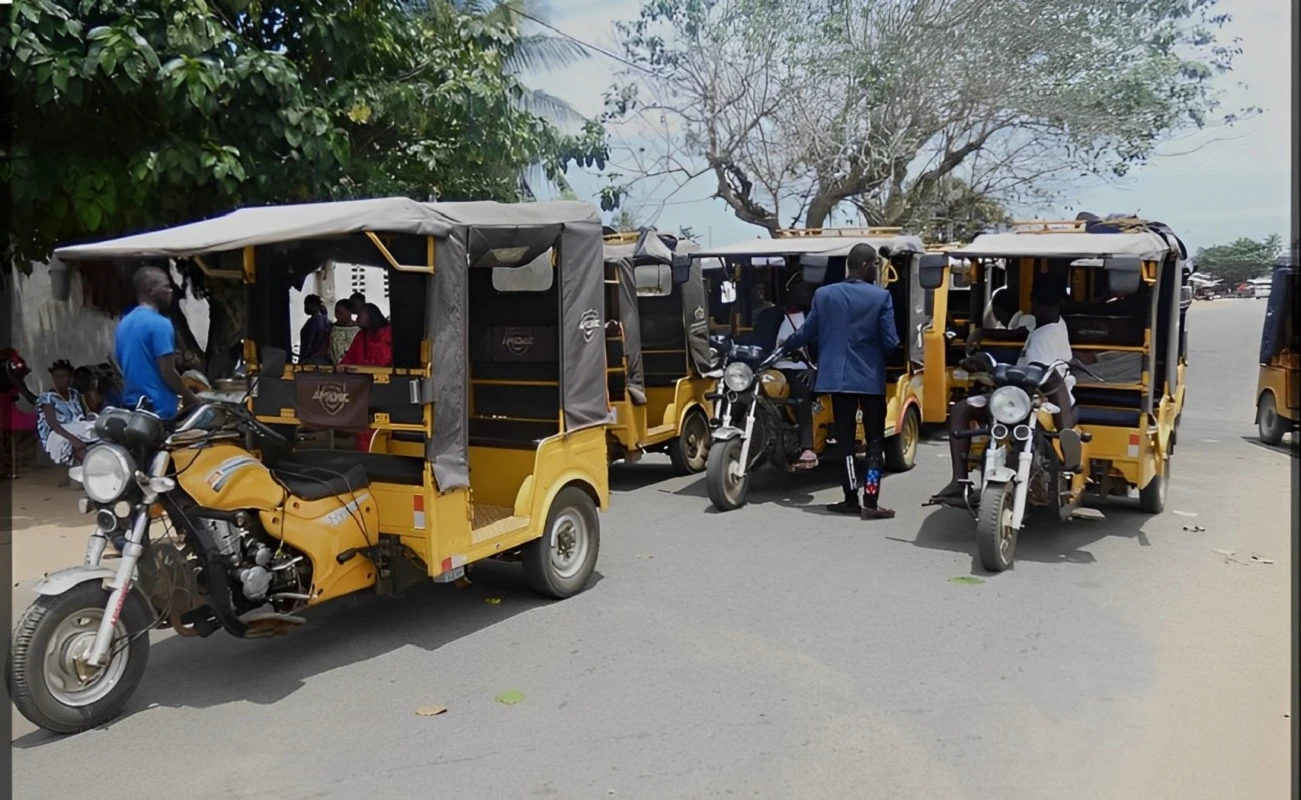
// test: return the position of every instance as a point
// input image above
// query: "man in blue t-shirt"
(146, 348)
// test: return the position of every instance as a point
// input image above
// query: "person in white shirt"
(798, 371)
(1001, 314)
(1047, 344)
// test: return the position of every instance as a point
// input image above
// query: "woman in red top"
(373, 346)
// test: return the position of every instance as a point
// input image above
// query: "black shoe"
(876, 513)
(845, 507)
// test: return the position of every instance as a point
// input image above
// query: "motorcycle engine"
(1038, 490)
(251, 562)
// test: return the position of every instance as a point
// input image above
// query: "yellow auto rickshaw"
(1125, 315)
(757, 274)
(944, 338)
(657, 344)
(1280, 360)
(491, 415)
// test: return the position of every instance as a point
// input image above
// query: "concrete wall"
(43, 329)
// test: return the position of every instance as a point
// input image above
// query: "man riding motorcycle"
(1048, 343)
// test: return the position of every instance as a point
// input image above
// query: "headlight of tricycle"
(738, 376)
(1009, 405)
(106, 473)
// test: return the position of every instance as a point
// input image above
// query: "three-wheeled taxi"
(657, 346)
(493, 411)
(1125, 316)
(1280, 359)
(761, 272)
(944, 338)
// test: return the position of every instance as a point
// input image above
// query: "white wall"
(44, 330)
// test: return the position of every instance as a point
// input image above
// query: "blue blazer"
(852, 324)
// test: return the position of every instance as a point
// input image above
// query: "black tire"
(725, 492)
(1151, 498)
(995, 537)
(901, 449)
(689, 452)
(546, 567)
(28, 677)
(1272, 426)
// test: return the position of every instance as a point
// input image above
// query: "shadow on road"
(1286, 448)
(1044, 539)
(189, 673)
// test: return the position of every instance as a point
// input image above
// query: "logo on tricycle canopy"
(333, 397)
(589, 323)
(517, 341)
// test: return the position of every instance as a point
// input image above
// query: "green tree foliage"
(134, 114)
(1240, 260)
(794, 110)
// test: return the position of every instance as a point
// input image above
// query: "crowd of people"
(359, 335)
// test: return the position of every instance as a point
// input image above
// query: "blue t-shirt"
(143, 337)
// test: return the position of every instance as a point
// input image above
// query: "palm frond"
(552, 109)
(540, 52)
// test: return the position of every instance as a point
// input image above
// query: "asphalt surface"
(777, 652)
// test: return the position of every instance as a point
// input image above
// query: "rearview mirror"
(1124, 273)
(930, 270)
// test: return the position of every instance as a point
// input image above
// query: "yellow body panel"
(1279, 378)
(226, 477)
(660, 419)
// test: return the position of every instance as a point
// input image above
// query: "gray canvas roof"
(1144, 244)
(649, 245)
(262, 225)
(830, 246)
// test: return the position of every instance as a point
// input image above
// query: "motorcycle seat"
(316, 483)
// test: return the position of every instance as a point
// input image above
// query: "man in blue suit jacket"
(852, 324)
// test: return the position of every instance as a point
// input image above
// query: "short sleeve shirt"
(144, 336)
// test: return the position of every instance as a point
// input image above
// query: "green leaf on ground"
(510, 697)
(967, 579)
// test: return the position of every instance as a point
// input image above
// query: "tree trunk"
(227, 315)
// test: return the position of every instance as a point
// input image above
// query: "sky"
(1211, 187)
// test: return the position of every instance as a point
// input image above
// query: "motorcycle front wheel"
(50, 683)
(995, 536)
(726, 491)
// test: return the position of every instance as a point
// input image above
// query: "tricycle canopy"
(1280, 331)
(448, 241)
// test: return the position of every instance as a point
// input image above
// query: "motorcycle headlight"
(1009, 405)
(738, 377)
(106, 473)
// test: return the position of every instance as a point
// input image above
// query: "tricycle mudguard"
(60, 581)
(726, 433)
(1000, 473)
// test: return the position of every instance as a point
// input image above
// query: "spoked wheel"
(49, 680)
(690, 451)
(727, 489)
(560, 563)
(1271, 425)
(901, 449)
(995, 536)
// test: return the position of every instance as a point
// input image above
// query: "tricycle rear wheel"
(689, 452)
(560, 562)
(1271, 424)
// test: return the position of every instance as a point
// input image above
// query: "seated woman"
(373, 344)
(63, 424)
(342, 331)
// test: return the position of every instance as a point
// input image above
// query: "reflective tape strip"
(418, 512)
(1133, 445)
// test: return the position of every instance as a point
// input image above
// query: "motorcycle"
(754, 421)
(80, 649)
(1027, 462)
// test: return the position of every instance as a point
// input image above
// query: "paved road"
(777, 652)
